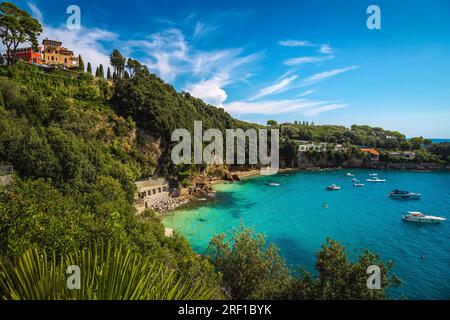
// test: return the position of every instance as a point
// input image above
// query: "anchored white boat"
(355, 180)
(273, 184)
(415, 216)
(333, 187)
(404, 195)
(375, 179)
(373, 174)
(358, 185)
(349, 174)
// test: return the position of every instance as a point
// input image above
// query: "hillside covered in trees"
(79, 141)
(77, 144)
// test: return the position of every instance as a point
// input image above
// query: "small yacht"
(333, 187)
(373, 174)
(375, 179)
(349, 174)
(273, 184)
(404, 195)
(359, 185)
(355, 180)
(415, 216)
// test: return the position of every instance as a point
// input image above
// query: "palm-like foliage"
(107, 273)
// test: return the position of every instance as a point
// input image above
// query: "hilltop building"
(57, 55)
(30, 55)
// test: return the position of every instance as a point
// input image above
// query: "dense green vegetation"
(252, 269)
(77, 144)
(363, 136)
(75, 164)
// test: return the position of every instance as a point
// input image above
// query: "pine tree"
(118, 63)
(89, 68)
(80, 63)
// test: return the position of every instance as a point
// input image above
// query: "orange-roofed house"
(29, 55)
(374, 154)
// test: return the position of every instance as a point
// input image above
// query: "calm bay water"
(294, 217)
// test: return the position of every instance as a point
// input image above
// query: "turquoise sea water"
(293, 216)
(440, 140)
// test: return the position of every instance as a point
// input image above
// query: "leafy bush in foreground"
(106, 273)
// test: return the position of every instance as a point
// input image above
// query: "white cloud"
(279, 87)
(36, 12)
(226, 68)
(304, 60)
(296, 43)
(326, 49)
(306, 93)
(315, 111)
(199, 29)
(166, 53)
(318, 77)
(276, 107)
(210, 91)
(323, 48)
(170, 55)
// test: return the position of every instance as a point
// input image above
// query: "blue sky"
(284, 60)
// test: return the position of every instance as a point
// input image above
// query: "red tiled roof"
(371, 151)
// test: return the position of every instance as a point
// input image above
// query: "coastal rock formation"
(170, 204)
(201, 188)
(236, 177)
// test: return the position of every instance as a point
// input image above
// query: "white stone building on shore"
(152, 191)
(6, 173)
(406, 155)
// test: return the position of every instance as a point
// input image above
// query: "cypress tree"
(89, 68)
(80, 63)
(101, 72)
(2, 102)
(109, 76)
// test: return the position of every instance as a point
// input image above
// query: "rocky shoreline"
(170, 204)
